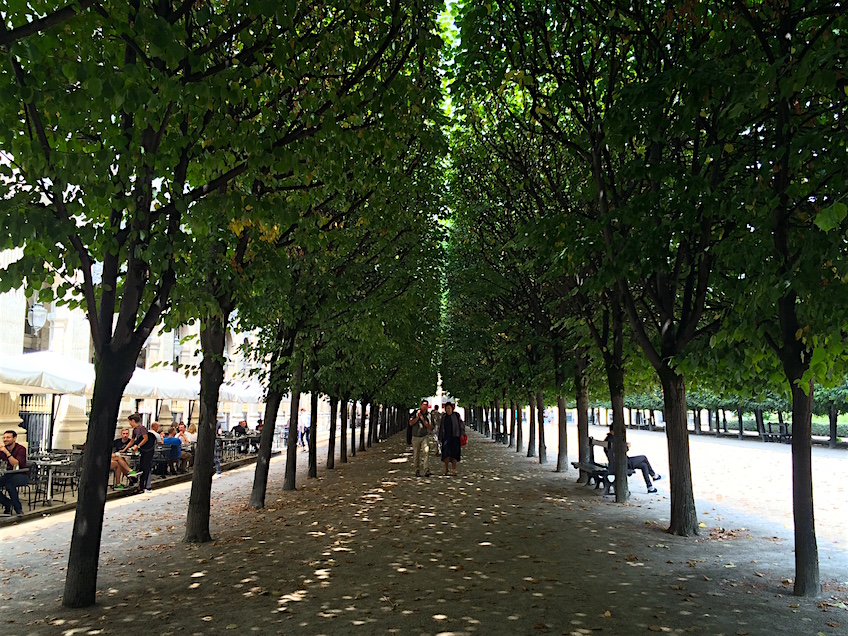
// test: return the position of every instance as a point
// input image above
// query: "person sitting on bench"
(640, 462)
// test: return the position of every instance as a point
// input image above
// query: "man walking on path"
(421, 424)
(437, 423)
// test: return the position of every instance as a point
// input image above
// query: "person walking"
(303, 425)
(450, 436)
(421, 424)
(437, 423)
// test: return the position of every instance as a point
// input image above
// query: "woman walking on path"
(450, 432)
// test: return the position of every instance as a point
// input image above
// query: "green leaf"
(830, 218)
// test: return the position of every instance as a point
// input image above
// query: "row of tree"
(655, 193)
(270, 166)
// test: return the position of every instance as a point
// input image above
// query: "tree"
(124, 118)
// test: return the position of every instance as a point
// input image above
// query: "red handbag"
(463, 440)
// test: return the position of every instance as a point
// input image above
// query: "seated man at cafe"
(16, 475)
(186, 440)
(119, 465)
(173, 442)
(240, 430)
(154, 430)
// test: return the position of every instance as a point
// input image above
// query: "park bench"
(779, 436)
(598, 473)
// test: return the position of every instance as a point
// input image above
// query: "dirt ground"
(506, 547)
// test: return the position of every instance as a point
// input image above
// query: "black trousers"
(145, 462)
(640, 462)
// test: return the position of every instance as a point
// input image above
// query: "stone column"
(72, 425)
(166, 418)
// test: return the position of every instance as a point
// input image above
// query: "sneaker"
(120, 487)
(657, 477)
(132, 473)
(148, 490)
(652, 490)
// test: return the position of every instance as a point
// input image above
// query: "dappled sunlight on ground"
(505, 547)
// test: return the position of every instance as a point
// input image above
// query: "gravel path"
(507, 547)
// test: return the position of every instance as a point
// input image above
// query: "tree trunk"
(113, 374)
(710, 421)
(353, 429)
(540, 418)
(511, 425)
(807, 582)
(362, 424)
(761, 427)
(343, 432)
(531, 435)
(266, 440)
(696, 421)
(289, 482)
(833, 414)
(312, 467)
(723, 419)
(781, 424)
(519, 423)
(331, 444)
(684, 517)
(739, 419)
(372, 422)
(562, 450)
(615, 383)
(581, 395)
(213, 335)
(384, 418)
(276, 380)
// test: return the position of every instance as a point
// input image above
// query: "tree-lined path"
(507, 547)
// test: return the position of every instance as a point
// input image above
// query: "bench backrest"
(596, 442)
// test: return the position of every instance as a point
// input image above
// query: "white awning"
(45, 372)
(162, 385)
(52, 373)
(244, 392)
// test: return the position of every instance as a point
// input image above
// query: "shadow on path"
(506, 547)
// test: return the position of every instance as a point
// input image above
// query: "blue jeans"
(11, 481)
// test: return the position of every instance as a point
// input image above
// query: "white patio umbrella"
(45, 372)
(162, 385)
(241, 391)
